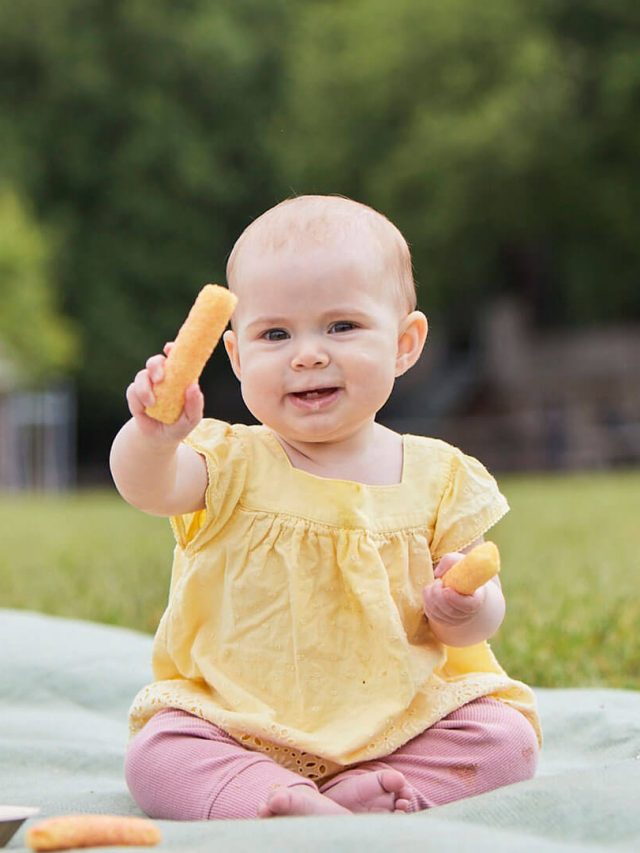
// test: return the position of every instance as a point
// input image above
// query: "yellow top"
(295, 618)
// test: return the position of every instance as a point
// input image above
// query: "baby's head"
(312, 224)
(325, 320)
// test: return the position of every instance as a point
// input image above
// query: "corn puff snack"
(92, 830)
(191, 350)
(474, 569)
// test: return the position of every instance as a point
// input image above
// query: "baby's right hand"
(140, 394)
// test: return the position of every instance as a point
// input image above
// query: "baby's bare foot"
(377, 791)
(299, 800)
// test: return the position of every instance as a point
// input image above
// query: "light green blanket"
(65, 691)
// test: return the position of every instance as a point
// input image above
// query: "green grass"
(88, 555)
(570, 553)
(571, 574)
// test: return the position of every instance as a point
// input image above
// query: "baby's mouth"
(315, 399)
(314, 393)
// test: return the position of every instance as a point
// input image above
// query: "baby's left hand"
(444, 604)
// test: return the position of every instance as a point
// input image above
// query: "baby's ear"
(231, 345)
(411, 340)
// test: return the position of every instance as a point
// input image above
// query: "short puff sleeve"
(225, 455)
(471, 504)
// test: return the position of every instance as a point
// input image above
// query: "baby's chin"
(316, 436)
(318, 433)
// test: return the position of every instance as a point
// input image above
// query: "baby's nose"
(309, 354)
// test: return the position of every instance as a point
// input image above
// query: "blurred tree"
(597, 246)
(36, 339)
(500, 136)
(137, 129)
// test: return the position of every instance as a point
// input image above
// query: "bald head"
(313, 221)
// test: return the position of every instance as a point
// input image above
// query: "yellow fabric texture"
(295, 618)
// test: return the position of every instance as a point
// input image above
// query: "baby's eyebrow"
(356, 315)
(267, 321)
(346, 311)
(340, 312)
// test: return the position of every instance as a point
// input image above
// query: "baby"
(310, 660)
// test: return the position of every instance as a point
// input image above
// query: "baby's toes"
(402, 805)
(392, 781)
(396, 784)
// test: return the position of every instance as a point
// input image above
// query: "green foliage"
(37, 340)
(136, 128)
(569, 552)
(502, 137)
(499, 136)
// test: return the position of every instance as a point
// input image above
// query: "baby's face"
(315, 341)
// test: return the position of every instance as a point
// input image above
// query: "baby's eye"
(275, 335)
(342, 326)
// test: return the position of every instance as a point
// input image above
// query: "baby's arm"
(152, 470)
(462, 620)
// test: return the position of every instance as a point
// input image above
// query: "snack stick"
(92, 830)
(474, 569)
(191, 350)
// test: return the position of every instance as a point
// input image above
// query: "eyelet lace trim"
(441, 698)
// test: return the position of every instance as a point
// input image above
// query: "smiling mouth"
(314, 394)
(315, 399)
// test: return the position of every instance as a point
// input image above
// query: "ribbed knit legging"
(179, 767)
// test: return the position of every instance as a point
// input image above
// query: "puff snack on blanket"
(474, 569)
(191, 350)
(92, 830)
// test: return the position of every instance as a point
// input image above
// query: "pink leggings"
(180, 767)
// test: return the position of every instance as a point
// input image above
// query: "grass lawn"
(570, 553)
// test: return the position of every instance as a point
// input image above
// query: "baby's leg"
(483, 745)
(180, 767)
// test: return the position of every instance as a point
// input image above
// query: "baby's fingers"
(449, 607)
(155, 368)
(463, 604)
(447, 561)
(139, 393)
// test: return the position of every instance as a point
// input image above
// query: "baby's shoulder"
(441, 463)
(211, 432)
(434, 452)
